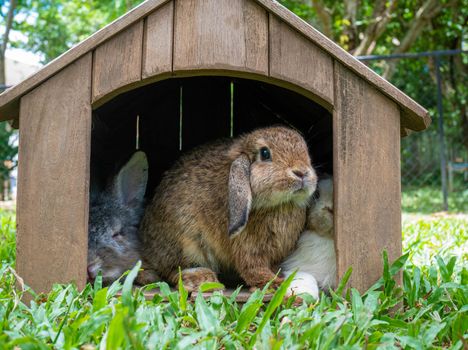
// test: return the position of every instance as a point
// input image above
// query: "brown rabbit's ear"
(240, 194)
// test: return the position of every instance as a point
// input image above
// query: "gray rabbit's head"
(115, 214)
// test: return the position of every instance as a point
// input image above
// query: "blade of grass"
(274, 303)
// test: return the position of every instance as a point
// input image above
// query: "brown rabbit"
(235, 206)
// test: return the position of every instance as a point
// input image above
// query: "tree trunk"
(424, 15)
(2, 70)
(2, 188)
(381, 16)
(459, 69)
(351, 31)
(323, 15)
(6, 39)
(3, 46)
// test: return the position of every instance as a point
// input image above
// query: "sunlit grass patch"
(425, 236)
(7, 236)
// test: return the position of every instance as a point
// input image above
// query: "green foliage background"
(54, 26)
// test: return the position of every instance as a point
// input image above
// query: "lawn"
(428, 199)
(430, 310)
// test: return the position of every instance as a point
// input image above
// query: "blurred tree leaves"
(365, 27)
(53, 26)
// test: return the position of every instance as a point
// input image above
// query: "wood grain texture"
(53, 193)
(299, 61)
(367, 199)
(73, 54)
(117, 62)
(157, 45)
(220, 34)
(414, 116)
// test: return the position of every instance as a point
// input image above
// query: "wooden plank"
(295, 59)
(73, 54)
(405, 132)
(53, 193)
(206, 110)
(220, 34)
(117, 62)
(414, 116)
(10, 109)
(157, 45)
(366, 144)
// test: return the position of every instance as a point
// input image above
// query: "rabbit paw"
(147, 276)
(193, 278)
(263, 280)
(304, 283)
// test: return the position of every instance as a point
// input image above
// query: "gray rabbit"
(113, 243)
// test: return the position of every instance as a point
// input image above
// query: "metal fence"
(434, 162)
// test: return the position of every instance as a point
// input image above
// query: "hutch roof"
(413, 116)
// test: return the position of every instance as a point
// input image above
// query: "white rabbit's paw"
(304, 283)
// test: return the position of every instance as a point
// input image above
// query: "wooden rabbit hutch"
(191, 71)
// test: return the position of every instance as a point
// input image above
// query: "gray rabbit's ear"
(240, 195)
(130, 183)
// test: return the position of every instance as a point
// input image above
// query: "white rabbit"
(314, 259)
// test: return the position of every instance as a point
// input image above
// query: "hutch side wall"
(366, 146)
(53, 193)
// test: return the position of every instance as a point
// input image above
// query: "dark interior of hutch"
(173, 116)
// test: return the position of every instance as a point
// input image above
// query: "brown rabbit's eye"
(265, 153)
(116, 235)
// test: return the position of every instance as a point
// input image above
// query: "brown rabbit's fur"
(188, 223)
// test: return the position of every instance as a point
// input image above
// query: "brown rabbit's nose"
(299, 173)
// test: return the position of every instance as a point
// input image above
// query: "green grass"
(7, 236)
(426, 200)
(426, 236)
(429, 311)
